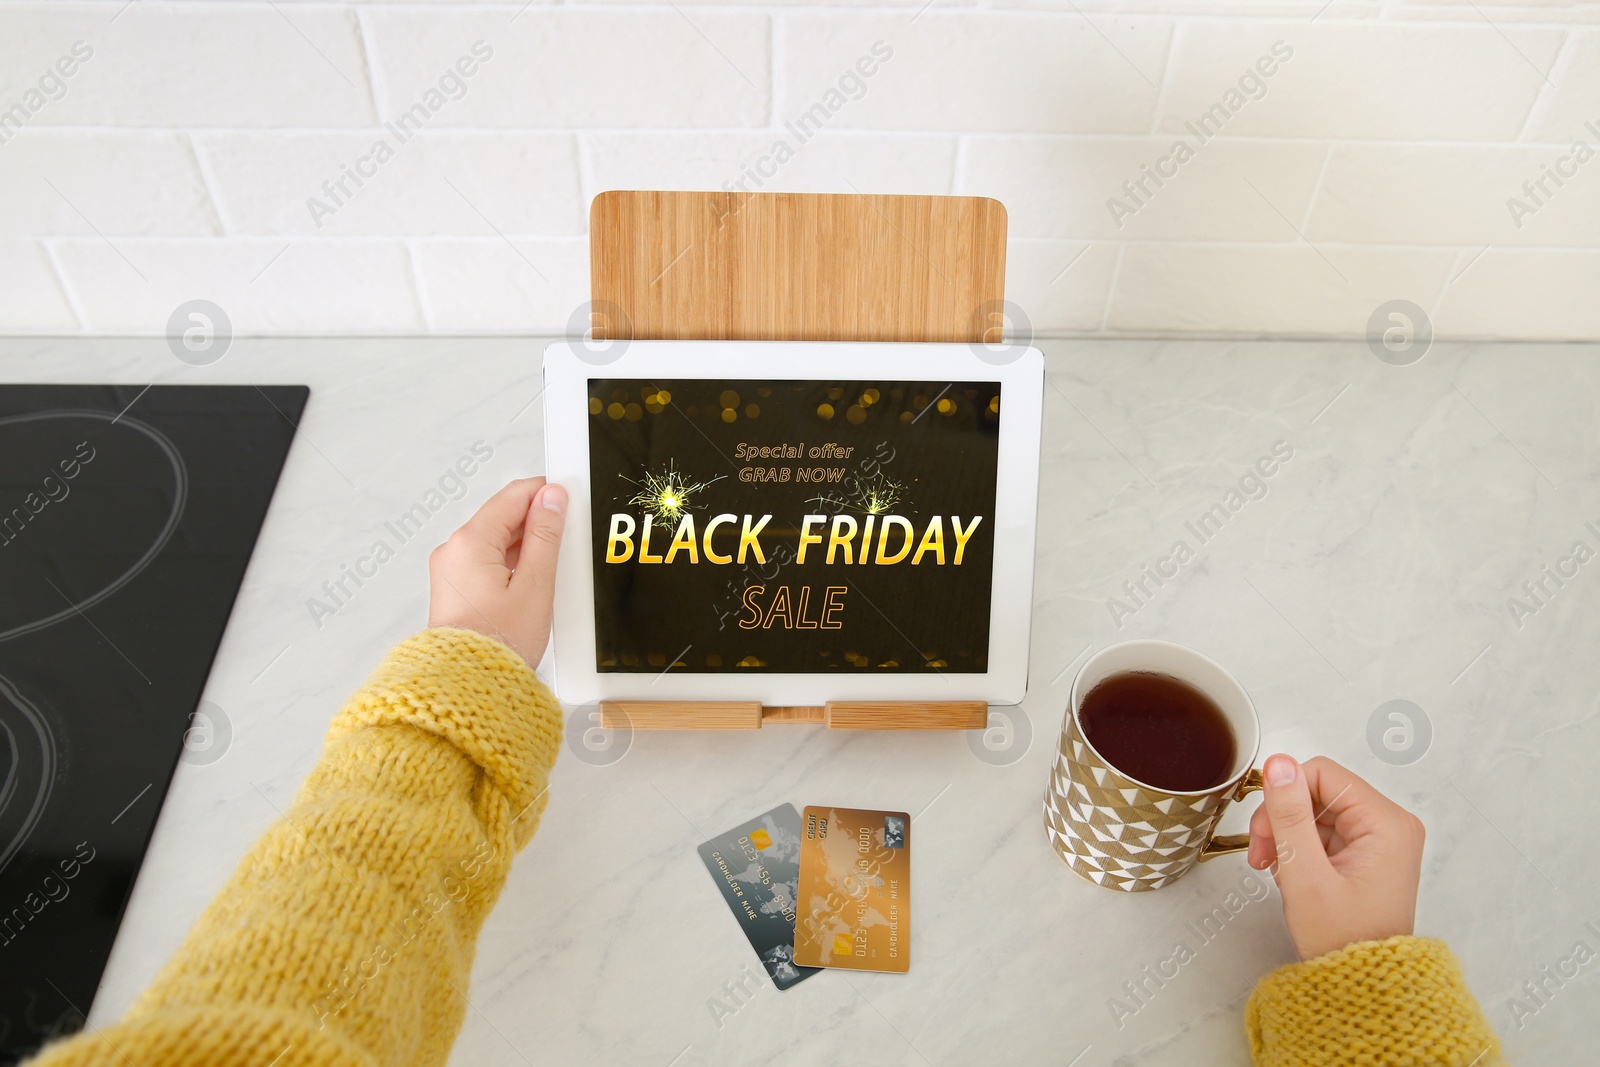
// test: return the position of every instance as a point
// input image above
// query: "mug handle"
(1223, 844)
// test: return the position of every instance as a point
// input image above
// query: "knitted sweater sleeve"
(1391, 1003)
(346, 935)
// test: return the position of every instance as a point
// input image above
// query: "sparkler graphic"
(881, 497)
(666, 495)
(873, 497)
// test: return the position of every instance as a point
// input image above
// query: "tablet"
(793, 522)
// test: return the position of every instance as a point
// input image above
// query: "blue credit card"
(757, 867)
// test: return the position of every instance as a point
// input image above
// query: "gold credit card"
(854, 902)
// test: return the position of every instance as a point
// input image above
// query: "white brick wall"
(1371, 158)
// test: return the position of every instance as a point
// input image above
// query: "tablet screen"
(792, 527)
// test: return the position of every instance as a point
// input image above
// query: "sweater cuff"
(473, 692)
(1387, 1003)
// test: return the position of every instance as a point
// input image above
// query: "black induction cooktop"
(127, 518)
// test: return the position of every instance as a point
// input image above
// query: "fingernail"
(1281, 770)
(555, 498)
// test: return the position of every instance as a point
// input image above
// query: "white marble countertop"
(1378, 567)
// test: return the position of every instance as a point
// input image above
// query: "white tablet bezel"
(568, 366)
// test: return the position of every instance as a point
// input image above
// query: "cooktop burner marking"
(24, 755)
(180, 475)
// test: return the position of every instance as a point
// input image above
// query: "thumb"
(1301, 858)
(541, 541)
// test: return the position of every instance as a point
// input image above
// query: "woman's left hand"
(497, 574)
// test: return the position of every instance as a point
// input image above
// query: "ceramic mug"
(1126, 834)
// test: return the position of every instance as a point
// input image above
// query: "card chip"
(761, 839)
(842, 945)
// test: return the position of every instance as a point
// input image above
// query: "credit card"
(756, 866)
(855, 890)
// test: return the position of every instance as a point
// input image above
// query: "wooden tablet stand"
(796, 267)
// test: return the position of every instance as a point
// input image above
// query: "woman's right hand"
(1348, 859)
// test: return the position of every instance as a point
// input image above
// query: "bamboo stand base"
(835, 715)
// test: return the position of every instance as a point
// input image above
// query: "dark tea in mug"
(1159, 731)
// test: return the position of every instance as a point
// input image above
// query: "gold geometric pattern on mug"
(1131, 874)
(1113, 874)
(1126, 790)
(1118, 833)
(1099, 787)
(1131, 840)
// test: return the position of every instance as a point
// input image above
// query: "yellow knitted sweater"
(345, 937)
(1400, 1002)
